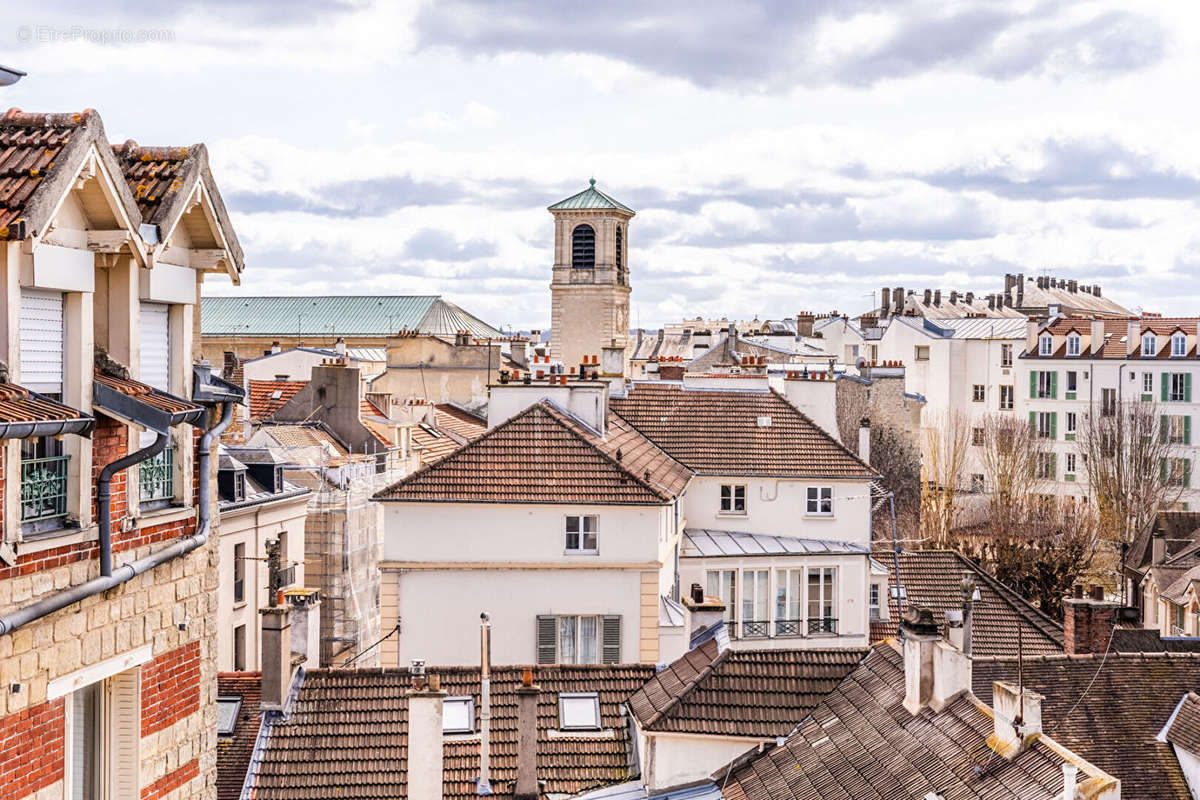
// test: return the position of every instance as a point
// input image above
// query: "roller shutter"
(155, 346)
(42, 341)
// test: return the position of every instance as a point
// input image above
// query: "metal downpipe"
(104, 495)
(35, 611)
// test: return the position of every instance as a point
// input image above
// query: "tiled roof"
(1185, 727)
(18, 404)
(144, 393)
(543, 455)
(759, 693)
(931, 578)
(1116, 343)
(154, 174)
(860, 743)
(434, 444)
(262, 399)
(337, 315)
(1181, 530)
(589, 198)
(346, 737)
(1109, 710)
(718, 432)
(461, 423)
(233, 752)
(1148, 640)
(304, 436)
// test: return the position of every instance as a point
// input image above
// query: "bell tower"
(589, 293)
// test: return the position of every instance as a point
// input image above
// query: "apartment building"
(1072, 366)
(107, 562)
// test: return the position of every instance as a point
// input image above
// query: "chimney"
(1088, 623)
(424, 734)
(1073, 286)
(1016, 718)
(1097, 326)
(1133, 336)
(885, 302)
(706, 616)
(339, 346)
(919, 634)
(864, 439)
(484, 783)
(1096, 290)
(898, 299)
(953, 297)
(937, 297)
(526, 787)
(991, 302)
(804, 323)
(1158, 548)
(517, 352)
(612, 360)
(1010, 281)
(1070, 775)
(275, 348)
(276, 657)
(970, 298)
(927, 297)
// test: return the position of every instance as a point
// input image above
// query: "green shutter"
(1054, 385)
(1187, 430)
(1187, 387)
(1033, 422)
(1033, 378)
(1166, 382)
(1053, 425)
(1053, 457)
(1162, 469)
(1164, 425)
(1187, 473)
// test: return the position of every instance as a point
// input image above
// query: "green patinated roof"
(337, 315)
(590, 197)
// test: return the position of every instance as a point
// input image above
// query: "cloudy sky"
(782, 155)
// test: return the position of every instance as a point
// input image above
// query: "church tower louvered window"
(620, 255)
(583, 247)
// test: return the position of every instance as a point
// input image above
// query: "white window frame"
(1046, 465)
(1007, 396)
(1045, 344)
(756, 589)
(730, 495)
(1006, 355)
(580, 698)
(465, 701)
(236, 702)
(1173, 395)
(723, 584)
(1176, 428)
(1069, 467)
(978, 393)
(1073, 342)
(827, 576)
(1072, 381)
(1044, 429)
(1147, 383)
(819, 501)
(580, 534)
(1149, 345)
(788, 590)
(1071, 422)
(1178, 345)
(577, 625)
(1044, 384)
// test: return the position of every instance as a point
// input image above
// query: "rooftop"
(590, 198)
(267, 397)
(701, 543)
(234, 750)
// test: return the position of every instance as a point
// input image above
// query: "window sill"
(818, 515)
(61, 537)
(162, 516)
(239, 605)
(581, 552)
(736, 514)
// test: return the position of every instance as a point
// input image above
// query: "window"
(1177, 387)
(1045, 425)
(1045, 466)
(821, 611)
(239, 648)
(579, 711)
(789, 594)
(1045, 344)
(754, 603)
(227, 714)
(458, 715)
(578, 639)
(1176, 429)
(733, 499)
(44, 481)
(1006, 353)
(619, 256)
(977, 437)
(1148, 383)
(1148, 345)
(239, 573)
(583, 247)
(1177, 471)
(978, 393)
(156, 476)
(1108, 402)
(102, 747)
(977, 483)
(922, 352)
(1070, 470)
(1178, 345)
(581, 534)
(722, 583)
(1072, 381)
(1072, 344)
(1072, 421)
(1045, 385)
(1006, 397)
(86, 736)
(820, 500)
(874, 603)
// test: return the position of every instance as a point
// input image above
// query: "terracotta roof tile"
(461, 423)
(18, 404)
(544, 455)
(931, 578)
(1109, 710)
(758, 693)
(347, 734)
(30, 147)
(145, 393)
(434, 444)
(1185, 728)
(718, 432)
(154, 174)
(233, 752)
(267, 397)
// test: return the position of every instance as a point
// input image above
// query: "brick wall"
(170, 688)
(110, 441)
(31, 749)
(171, 781)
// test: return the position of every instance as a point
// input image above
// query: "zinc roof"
(337, 315)
(981, 327)
(699, 543)
(590, 198)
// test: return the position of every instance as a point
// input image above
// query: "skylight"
(227, 714)
(579, 711)
(277, 394)
(458, 715)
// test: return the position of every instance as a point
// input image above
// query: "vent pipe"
(484, 784)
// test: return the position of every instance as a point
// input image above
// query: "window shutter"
(124, 728)
(1054, 385)
(1053, 424)
(1187, 387)
(611, 653)
(1187, 430)
(1033, 379)
(1033, 422)
(42, 341)
(1164, 424)
(1053, 459)
(1166, 383)
(1162, 469)
(547, 639)
(155, 362)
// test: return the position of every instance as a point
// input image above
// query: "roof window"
(458, 715)
(579, 711)
(227, 714)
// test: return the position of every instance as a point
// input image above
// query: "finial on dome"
(592, 182)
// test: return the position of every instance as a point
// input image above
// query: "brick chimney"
(424, 734)
(1088, 622)
(804, 323)
(885, 302)
(526, 787)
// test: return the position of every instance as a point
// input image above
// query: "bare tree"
(947, 439)
(1011, 453)
(898, 462)
(1132, 457)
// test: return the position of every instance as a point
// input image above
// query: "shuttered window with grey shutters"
(155, 365)
(42, 341)
(611, 653)
(547, 639)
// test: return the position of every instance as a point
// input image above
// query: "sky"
(782, 156)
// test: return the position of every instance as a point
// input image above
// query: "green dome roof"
(589, 198)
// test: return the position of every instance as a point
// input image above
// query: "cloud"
(429, 244)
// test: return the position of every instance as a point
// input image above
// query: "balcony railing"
(755, 629)
(157, 477)
(822, 625)
(44, 488)
(789, 627)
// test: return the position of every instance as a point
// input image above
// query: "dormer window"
(1045, 345)
(1178, 345)
(1149, 345)
(239, 487)
(1073, 344)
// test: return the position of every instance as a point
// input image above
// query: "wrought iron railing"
(157, 477)
(44, 488)
(755, 629)
(822, 625)
(789, 627)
